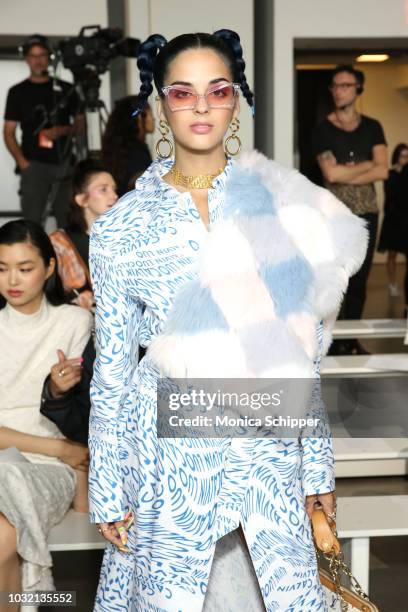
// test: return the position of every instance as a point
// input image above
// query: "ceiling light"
(373, 57)
(315, 66)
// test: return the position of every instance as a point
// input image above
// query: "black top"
(356, 146)
(394, 230)
(395, 188)
(81, 242)
(70, 412)
(138, 160)
(29, 103)
(396, 196)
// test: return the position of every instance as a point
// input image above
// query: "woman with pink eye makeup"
(222, 270)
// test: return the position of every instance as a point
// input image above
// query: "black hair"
(29, 232)
(33, 41)
(84, 171)
(156, 54)
(397, 152)
(122, 134)
(358, 74)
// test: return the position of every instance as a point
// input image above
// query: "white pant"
(233, 584)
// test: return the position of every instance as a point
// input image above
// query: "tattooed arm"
(379, 171)
(341, 173)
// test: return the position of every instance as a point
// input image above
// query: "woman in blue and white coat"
(221, 269)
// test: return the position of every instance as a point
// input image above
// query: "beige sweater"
(28, 349)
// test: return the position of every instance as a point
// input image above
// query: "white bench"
(75, 532)
(364, 456)
(358, 520)
(360, 457)
(370, 328)
(362, 518)
(387, 364)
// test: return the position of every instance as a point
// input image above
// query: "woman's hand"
(117, 532)
(327, 501)
(65, 374)
(86, 299)
(74, 454)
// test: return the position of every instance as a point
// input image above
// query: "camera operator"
(47, 114)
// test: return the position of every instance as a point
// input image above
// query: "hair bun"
(227, 34)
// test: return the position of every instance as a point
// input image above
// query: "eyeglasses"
(342, 86)
(181, 97)
(37, 55)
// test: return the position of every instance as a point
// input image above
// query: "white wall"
(52, 18)
(171, 18)
(385, 100)
(325, 19)
(10, 72)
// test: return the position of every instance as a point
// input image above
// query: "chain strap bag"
(339, 597)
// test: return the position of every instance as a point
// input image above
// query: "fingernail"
(129, 523)
(123, 534)
(128, 515)
(124, 549)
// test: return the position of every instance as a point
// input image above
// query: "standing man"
(44, 155)
(352, 154)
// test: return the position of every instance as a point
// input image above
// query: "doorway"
(385, 96)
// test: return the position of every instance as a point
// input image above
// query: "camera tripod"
(96, 115)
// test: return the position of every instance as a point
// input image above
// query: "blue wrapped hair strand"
(148, 52)
(233, 41)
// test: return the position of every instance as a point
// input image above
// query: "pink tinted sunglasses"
(182, 97)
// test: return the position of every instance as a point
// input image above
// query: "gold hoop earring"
(164, 131)
(234, 127)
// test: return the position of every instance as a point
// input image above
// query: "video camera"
(87, 56)
(87, 53)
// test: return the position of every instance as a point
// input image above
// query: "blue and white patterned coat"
(187, 493)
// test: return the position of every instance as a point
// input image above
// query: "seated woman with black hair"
(41, 473)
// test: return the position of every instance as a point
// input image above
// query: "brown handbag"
(327, 545)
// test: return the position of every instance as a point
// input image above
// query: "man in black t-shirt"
(351, 151)
(40, 156)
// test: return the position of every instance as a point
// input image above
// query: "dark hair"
(84, 171)
(121, 134)
(155, 55)
(33, 41)
(397, 152)
(32, 233)
(358, 74)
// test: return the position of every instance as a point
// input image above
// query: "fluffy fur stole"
(273, 268)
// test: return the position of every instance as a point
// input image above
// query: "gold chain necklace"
(201, 181)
